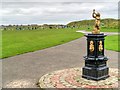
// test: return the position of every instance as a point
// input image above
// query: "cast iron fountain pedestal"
(95, 62)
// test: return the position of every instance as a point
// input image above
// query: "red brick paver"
(71, 78)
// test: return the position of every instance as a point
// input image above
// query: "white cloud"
(53, 12)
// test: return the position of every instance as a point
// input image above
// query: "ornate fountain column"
(95, 61)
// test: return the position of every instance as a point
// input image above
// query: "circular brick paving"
(71, 78)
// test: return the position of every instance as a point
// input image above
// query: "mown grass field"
(112, 43)
(101, 29)
(19, 42)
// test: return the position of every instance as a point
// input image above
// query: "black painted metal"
(95, 63)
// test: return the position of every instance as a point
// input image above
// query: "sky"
(54, 11)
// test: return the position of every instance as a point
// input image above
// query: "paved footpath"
(26, 69)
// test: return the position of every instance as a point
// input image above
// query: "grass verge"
(19, 42)
(111, 43)
(101, 29)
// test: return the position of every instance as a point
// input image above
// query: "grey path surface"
(25, 70)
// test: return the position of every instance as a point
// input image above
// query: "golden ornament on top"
(96, 29)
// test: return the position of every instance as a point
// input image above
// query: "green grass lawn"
(18, 42)
(101, 29)
(111, 43)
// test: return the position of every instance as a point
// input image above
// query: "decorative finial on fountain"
(96, 29)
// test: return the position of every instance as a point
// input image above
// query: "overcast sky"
(29, 12)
